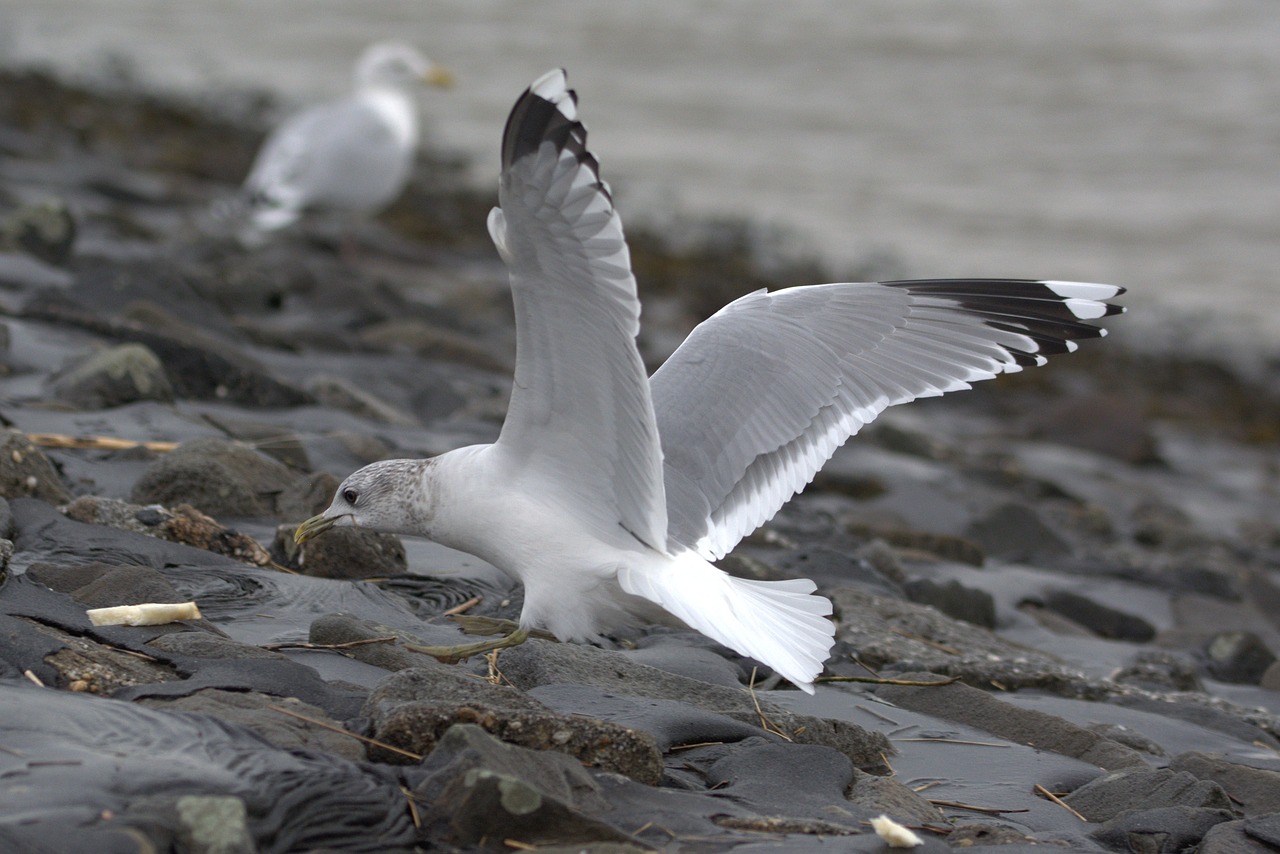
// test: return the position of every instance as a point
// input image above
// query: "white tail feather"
(780, 623)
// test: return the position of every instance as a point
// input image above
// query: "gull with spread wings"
(609, 493)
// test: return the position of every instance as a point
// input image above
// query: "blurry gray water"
(1131, 142)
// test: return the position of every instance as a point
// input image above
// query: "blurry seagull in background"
(609, 493)
(353, 155)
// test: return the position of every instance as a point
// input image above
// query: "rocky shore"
(1057, 595)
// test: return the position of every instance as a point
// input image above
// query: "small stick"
(954, 741)
(958, 805)
(875, 714)
(413, 808)
(102, 443)
(1059, 801)
(765, 724)
(307, 645)
(463, 607)
(409, 754)
(878, 681)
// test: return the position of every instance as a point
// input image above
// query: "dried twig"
(869, 680)
(876, 714)
(1041, 790)
(102, 443)
(954, 741)
(463, 606)
(413, 807)
(365, 739)
(987, 810)
(765, 724)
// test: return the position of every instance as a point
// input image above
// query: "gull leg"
(451, 654)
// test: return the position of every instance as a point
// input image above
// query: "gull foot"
(454, 654)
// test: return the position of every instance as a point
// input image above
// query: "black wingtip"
(547, 110)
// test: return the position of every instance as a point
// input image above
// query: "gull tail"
(779, 623)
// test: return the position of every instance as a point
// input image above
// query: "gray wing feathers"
(764, 392)
(581, 402)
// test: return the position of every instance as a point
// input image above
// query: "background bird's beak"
(438, 75)
(313, 527)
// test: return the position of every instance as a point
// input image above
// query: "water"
(1135, 143)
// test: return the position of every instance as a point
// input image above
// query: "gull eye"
(349, 495)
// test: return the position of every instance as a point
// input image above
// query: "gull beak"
(314, 527)
(438, 75)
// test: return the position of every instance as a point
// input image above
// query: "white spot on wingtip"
(554, 87)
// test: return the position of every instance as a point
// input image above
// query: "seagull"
(353, 154)
(609, 493)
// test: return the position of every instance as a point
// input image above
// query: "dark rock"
(681, 658)
(802, 780)
(960, 703)
(412, 709)
(45, 229)
(1144, 788)
(83, 757)
(537, 663)
(1162, 525)
(671, 723)
(1242, 727)
(1254, 791)
(955, 600)
(1104, 620)
(209, 645)
(341, 553)
(891, 632)
(1015, 532)
(126, 585)
(1233, 837)
(1156, 670)
(217, 477)
(1129, 738)
(195, 369)
(345, 629)
(1168, 830)
(306, 496)
(183, 524)
(974, 835)
(1264, 828)
(538, 790)
(1271, 677)
(42, 530)
(890, 796)
(1238, 657)
(113, 376)
(25, 472)
(257, 712)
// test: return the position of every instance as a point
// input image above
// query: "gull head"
(389, 496)
(399, 66)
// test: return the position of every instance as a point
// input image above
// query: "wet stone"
(954, 599)
(1103, 620)
(341, 553)
(414, 708)
(114, 376)
(217, 477)
(25, 471)
(1167, 830)
(1144, 788)
(1240, 657)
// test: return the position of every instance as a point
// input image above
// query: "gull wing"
(580, 407)
(762, 394)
